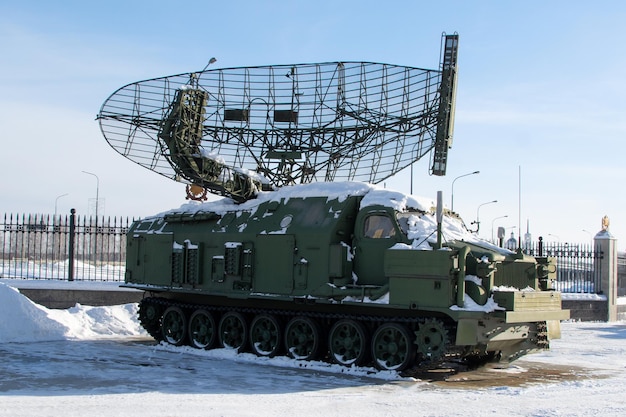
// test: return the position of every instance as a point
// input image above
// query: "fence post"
(606, 244)
(70, 262)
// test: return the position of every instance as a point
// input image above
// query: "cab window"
(378, 227)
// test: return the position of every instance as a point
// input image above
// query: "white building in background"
(528, 238)
(511, 242)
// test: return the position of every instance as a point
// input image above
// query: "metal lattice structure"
(334, 121)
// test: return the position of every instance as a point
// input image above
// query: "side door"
(149, 259)
(375, 232)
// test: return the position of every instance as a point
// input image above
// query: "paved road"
(137, 365)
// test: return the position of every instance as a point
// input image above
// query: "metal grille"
(578, 266)
(38, 246)
(621, 274)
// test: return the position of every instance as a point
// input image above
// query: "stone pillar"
(607, 244)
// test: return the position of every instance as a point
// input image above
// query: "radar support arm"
(180, 136)
(447, 97)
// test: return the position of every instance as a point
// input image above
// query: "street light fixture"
(452, 193)
(97, 191)
(56, 200)
(95, 236)
(213, 60)
(493, 221)
(477, 222)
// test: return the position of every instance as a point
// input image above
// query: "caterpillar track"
(409, 345)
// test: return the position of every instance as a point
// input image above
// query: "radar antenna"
(236, 131)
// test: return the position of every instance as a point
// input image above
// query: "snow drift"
(25, 321)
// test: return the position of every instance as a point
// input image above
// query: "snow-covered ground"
(97, 361)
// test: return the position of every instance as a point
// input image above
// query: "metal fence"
(578, 266)
(621, 274)
(94, 249)
(63, 247)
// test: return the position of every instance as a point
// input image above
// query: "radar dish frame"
(286, 124)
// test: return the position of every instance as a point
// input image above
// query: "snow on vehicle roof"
(397, 200)
(422, 230)
(373, 195)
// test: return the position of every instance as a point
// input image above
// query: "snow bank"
(25, 321)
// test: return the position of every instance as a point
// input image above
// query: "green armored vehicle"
(344, 271)
(330, 268)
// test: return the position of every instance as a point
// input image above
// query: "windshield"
(421, 227)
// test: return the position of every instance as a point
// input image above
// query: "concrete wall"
(621, 312)
(587, 310)
(66, 298)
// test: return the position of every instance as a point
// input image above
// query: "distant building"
(528, 238)
(511, 243)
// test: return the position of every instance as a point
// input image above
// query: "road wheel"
(347, 342)
(202, 329)
(174, 326)
(392, 347)
(233, 331)
(302, 338)
(265, 335)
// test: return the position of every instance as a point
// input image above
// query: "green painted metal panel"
(274, 264)
(153, 257)
(421, 279)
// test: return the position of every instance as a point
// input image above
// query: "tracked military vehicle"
(343, 271)
(304, 256)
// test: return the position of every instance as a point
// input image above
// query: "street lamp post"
(56, 229)
(95, 235)
(477, 213)
(97, 192)
(558, 239)
(56, 200)
(213, 60)
(452, 193)
(492, 222)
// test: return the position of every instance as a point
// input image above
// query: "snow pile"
(470, 305)
(25, 321)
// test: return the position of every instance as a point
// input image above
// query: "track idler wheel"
(150, 318)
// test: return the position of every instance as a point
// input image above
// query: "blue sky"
(541, 90)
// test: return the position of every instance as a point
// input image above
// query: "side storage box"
(421, 279)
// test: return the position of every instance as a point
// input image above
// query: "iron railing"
(578, 265)
(94, 249)
(37, 246)
(621, 274)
